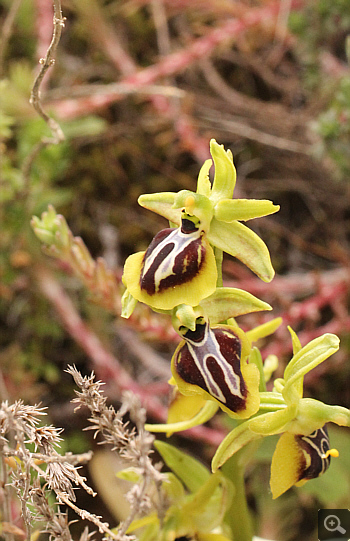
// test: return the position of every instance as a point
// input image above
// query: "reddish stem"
(177, 62)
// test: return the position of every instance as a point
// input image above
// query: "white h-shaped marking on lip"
(165, 269)
(200, 357)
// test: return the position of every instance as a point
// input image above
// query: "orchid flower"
(179, 266)
(303, 450)
(214, 367)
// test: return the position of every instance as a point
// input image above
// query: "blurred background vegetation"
(139, 87)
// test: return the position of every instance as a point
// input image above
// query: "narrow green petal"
(299, 385)
(203, 183)
(270, 366)
(235, 440)
(264, 330)
(239, 241)
(206, 413)
(274, 422)
(225, 173)
(191, 472)
(228, 302)
(228, 210)
(161, 203)
(295, 341)
(310, 356)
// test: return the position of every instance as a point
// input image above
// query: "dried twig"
(134, 445)
(20, 423)
(46, 63)
(35, 97)
(178, 61)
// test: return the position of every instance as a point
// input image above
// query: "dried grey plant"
(22, 472)
(133, 443)
(32, 468)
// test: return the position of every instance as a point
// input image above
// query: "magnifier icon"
(332, 524)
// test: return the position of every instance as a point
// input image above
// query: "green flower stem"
(219, 254)
(238, 515)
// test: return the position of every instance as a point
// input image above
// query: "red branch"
(175, 62)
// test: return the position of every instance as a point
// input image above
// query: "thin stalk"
(218, 258)
(238, 516)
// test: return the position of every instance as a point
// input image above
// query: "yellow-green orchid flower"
(299, 458)
(214, 366)
(211, 362)
(179, 265)
(303, 450)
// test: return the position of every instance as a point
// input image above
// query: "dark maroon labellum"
(210, 358)
(173, 258)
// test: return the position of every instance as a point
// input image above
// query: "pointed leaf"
(227, 302)
(203, 183)
(142, 522)
(235, 440)
(191, 472)
(228, 210)
(239, 241)
(295, 341)
(225, 173)
(162, 204)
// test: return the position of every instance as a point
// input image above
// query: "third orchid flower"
(303, 449)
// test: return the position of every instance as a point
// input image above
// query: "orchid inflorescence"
(216, 365)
